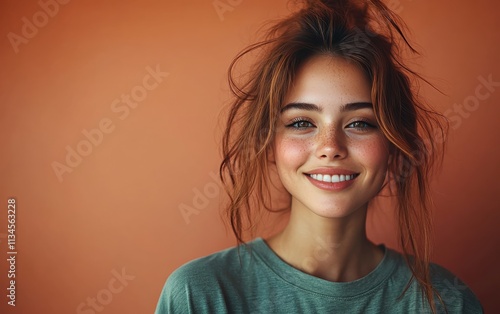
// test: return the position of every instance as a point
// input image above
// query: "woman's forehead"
(326, 80)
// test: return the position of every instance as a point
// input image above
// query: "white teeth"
(332, 178)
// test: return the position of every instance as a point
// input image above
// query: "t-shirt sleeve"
(175, 296)
(193, 288)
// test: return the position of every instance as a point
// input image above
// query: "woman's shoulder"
(211, 266)
(216, 268)
(455, 294)
(453, 291)
(200, 285)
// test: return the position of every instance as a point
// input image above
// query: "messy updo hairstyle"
(370, 35)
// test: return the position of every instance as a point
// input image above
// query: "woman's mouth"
(334, 178)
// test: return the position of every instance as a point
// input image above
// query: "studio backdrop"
(110, 143)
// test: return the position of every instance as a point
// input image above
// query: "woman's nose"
(331, 144)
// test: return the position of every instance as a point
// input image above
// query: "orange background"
(118, 210)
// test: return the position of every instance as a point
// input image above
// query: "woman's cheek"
(291, 151)
(374, 152)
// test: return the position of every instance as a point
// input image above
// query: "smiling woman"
(329, 107)
(328, 129)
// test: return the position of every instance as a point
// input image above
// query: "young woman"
(330, 109)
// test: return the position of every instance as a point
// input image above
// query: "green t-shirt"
(257, 281)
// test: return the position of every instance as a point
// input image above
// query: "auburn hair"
(369, 34)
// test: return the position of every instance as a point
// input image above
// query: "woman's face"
(329, 152)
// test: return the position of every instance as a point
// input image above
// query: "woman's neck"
(334, 249)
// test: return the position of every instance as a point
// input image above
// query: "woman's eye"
(362, 125)
(301, 124)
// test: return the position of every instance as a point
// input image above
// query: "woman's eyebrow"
(356, 106)
(312, 107)
(301, 106)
